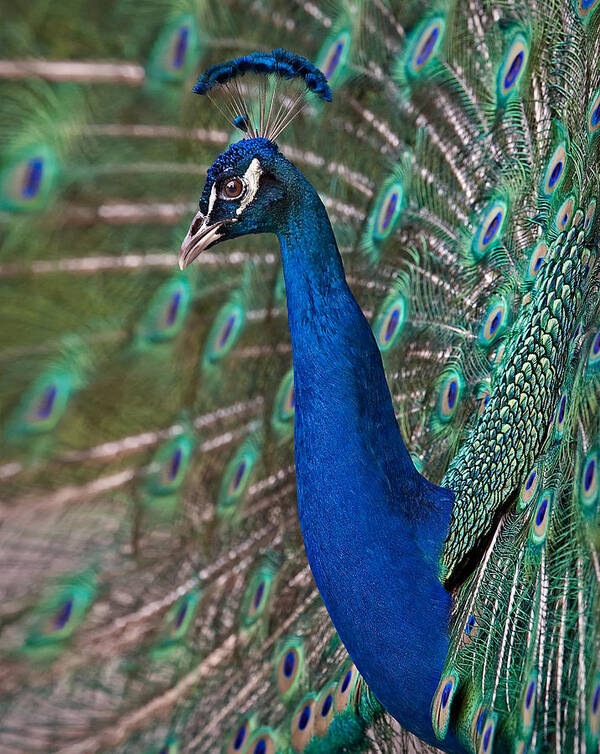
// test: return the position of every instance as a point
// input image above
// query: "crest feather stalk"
(259, 106)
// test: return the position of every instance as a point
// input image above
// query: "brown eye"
(232, 188)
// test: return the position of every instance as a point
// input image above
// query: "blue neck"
(373, 528)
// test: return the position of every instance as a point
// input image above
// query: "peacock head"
(250, 187)
(247, 190)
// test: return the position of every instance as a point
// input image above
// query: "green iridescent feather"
(154, 577)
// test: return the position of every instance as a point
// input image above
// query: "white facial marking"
(211, 201)
(252, 180)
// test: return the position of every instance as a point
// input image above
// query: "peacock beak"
(200, 237)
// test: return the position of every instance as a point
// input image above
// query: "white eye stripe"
(212, 200)
(252, 181)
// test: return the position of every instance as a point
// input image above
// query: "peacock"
(299, 379)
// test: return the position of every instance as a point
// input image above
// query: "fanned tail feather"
(156, 595)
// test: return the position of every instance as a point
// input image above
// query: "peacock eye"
(232, 188)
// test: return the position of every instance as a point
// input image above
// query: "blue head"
(249, 189)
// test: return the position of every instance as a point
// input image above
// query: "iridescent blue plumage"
(415, 372)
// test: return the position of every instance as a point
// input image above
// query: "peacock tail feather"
(155, 594)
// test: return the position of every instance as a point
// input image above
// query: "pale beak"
(199, 237)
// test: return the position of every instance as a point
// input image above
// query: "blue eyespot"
(346, 681)
(62, 617)
(541, 518)
(390, 322)
(450, 393)
(589, 215)
(530, 692)
(481, 720)
(555, 170)
(424, 44)
(166, 312)
(225, 331)
(589, 480)
(594, 354)
(334, 54)
(589, 475)
(175, 51)
(181, 46)
(513, 71)
(446, 694)
(289, 666)
(529, 488)
(442, 703)
(427, 47)
(169, 465)
(512, 66)
(240, 737)
(173, 308)
(528, 705)
(537, 259)
(26, 181)
(45, 402)
(33, 178)
(585, 7)
(325, 707)
(477, 725)
(239, 473)
(334, 60)
(285, 405)
(175, 463)
(484, 396)
(236, 477)
(181, 615)
(345, 688)
(259, 595)
(304, 718)
(565, 215)
(387, 211)
(541, 513)
(555, 175)
(489, 229)
(487, 737)
(593, 712)
(494, 322)
(303, 723)
(492, 228)
(561, 414)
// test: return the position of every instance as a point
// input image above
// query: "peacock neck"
(373, 528)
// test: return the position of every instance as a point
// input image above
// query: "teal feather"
(154, 577)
